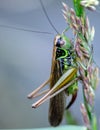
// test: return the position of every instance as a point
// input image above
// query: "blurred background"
(25, 60)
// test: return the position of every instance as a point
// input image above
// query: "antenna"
(29, 30)
(22, 29)
(48, 17)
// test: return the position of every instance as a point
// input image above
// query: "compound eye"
(59, 42)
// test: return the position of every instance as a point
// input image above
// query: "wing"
(56, 105)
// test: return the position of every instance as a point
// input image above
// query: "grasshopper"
(63, 77)
(62, 80)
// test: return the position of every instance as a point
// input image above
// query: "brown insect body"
(57, 103)
(58, 80)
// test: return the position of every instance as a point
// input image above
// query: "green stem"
(86, 106)
(78, 8)
(80, 12)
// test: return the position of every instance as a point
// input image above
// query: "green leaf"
(58, 128)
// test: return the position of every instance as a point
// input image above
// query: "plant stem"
(80, 12)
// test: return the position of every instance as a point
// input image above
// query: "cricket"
(63, 80)
(72, 61)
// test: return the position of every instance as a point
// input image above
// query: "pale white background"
(25, 60)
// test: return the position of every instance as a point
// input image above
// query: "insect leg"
(41, 93)
(33, 93)
(49, 95)
(74, 96)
